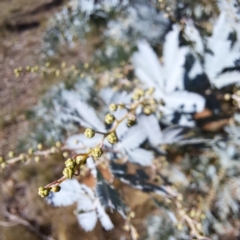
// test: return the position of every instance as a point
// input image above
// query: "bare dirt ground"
(22, 23)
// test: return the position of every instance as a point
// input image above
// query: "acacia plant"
(162, 105)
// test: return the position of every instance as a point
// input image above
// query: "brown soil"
(22, 23)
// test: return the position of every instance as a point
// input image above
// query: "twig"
(17, 220)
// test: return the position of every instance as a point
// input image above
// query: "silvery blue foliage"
(89, 210)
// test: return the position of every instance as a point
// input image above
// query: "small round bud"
(63, 65)
(58, 144)
(57, 73)
(131, 122)
(86, 65)
(3, 165)
(27, 68)
(82, 75)
(199, 227)
(192, 213)
(109, 118)
(89, 133)
(70, 163)
(30, 151)
(65, 154)
(22, 156)
(11, 154)
(140, 92)
(136, 96)
(53, 150)
(150, 91)
(112, 138)
(152, 101)
(238, 92)
(55, 188)
(120, 105)
(97, 152)
(47, 64)
(113, 107)
(39, 146)
(126, 227)
(68, 173)
(81, 159)
(179, 227)
(1, 159)
(227, 97)
(132, 214)
(37, 159)
(43, 192)
(147, 110)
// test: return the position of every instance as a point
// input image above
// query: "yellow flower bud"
(27, 68)
(89, 133)
(150, 91)
(68, 172)
(113, 107)
(70, 163)
(132, 214)
(131, 122)
(120, 105)
(3, 165)
(57, 73)
(147, 110)
(22, 156)
(63, 65)
(39, 146)
(136, 96)
(81, 159)
(109, 118)
(227, 97)
(97, 152)
(30, 151)
(112, 138)
(47, 64)
(43, 192)
(65, 154)
(11, 154)
(179, 226)
(37, 159)
(53, 150)
(58, 144)
(55, 188)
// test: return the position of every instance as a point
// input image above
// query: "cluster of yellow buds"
(81, 159)
(43, 192)
(70, 167)
(109, 118)
(89, 133)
